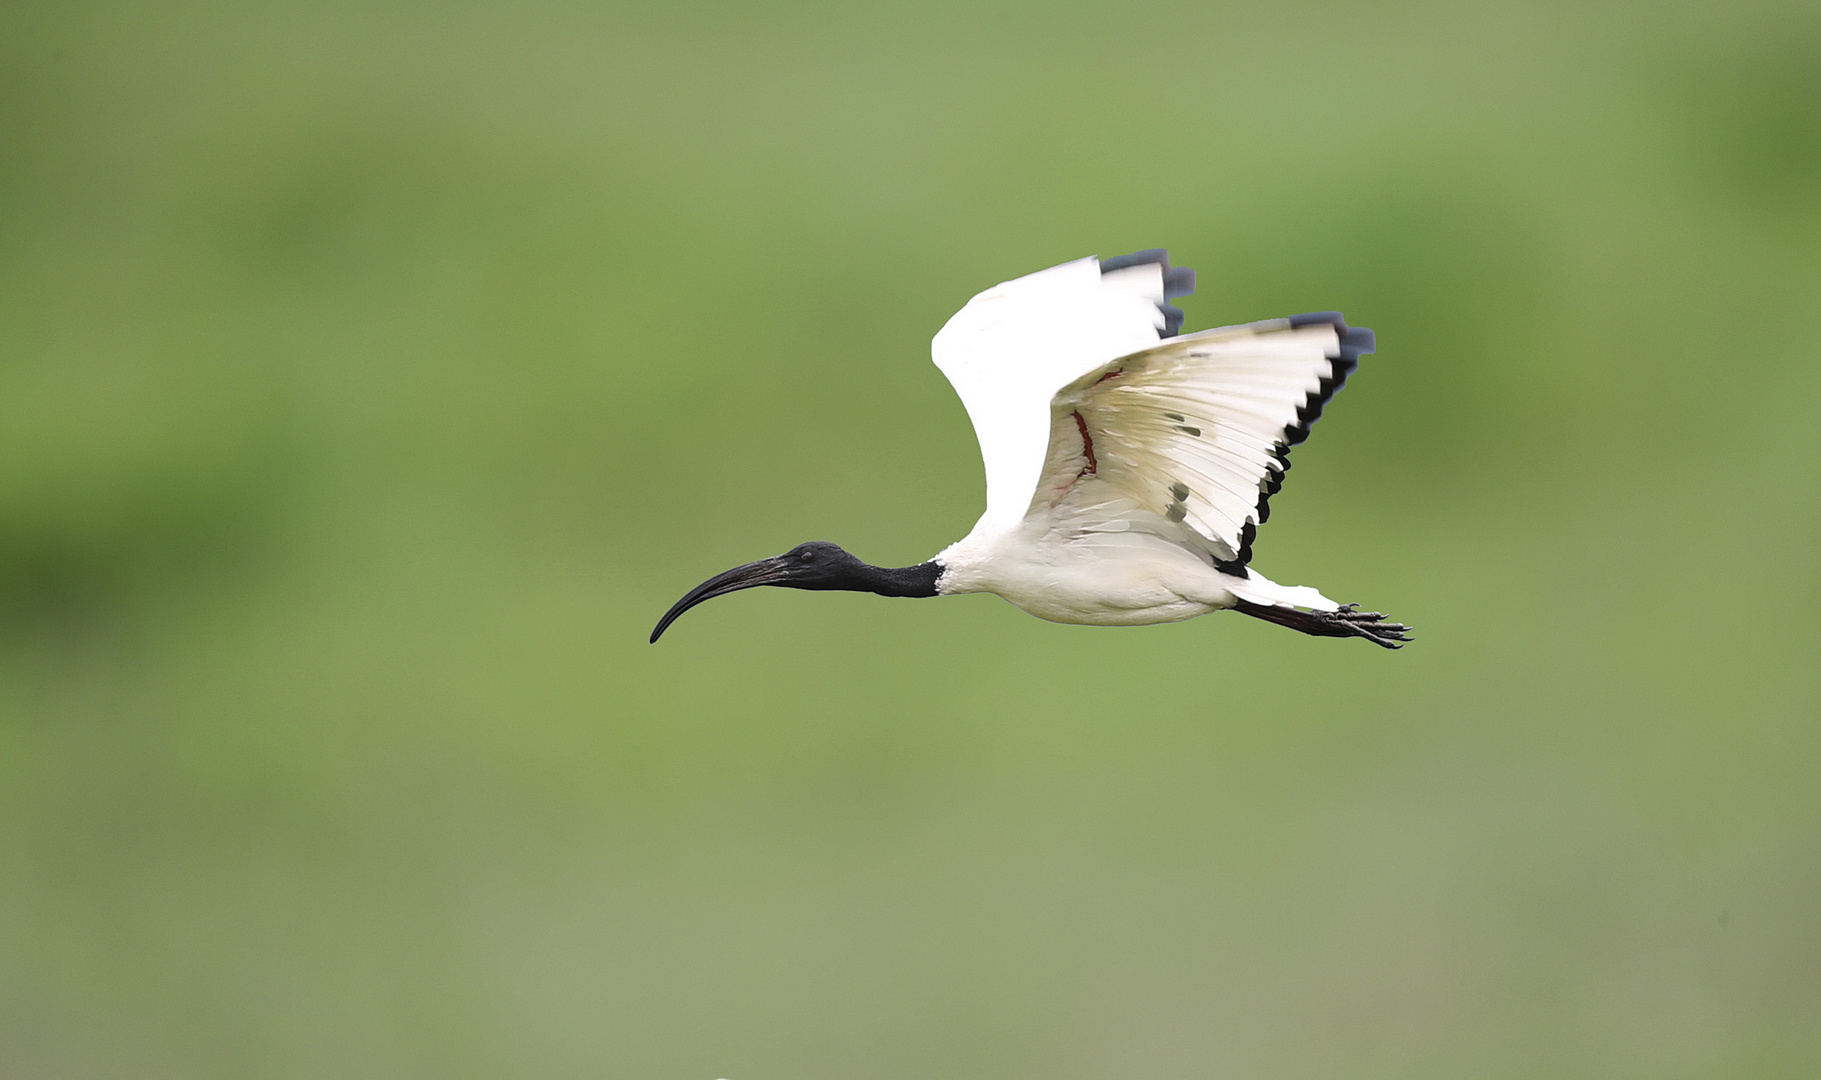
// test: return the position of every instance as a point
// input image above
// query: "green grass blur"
(372, 376)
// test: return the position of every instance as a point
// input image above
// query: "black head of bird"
(817, 564)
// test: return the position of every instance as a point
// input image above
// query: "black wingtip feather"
(1160, 256)
(1354, 342)
(1172, 319)
(1177, 281)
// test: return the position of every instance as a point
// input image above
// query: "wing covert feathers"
(1010, 350)
(1072, 371)
(1199, 428)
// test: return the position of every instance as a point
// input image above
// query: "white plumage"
(1127, 469)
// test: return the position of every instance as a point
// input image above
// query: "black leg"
(1349, 621)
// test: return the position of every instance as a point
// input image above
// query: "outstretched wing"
(1014, 346)
(1198, 429)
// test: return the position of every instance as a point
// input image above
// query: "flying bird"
(1128, 466)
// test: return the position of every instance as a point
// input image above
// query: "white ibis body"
(1127, 466)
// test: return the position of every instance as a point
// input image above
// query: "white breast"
(1064, 568)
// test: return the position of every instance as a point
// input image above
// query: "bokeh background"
(373, 375)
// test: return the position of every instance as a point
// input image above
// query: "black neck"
(918, 580)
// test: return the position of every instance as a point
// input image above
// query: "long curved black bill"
(763, 572)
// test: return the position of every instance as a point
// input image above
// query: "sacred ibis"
(1127, 466)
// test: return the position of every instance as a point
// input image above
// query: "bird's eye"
(807, 556)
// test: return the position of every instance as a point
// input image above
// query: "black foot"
(1369, 625)
(1349, 621)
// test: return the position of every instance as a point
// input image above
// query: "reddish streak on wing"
(1114, 374)
(1087, 443)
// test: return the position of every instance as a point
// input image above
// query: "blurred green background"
(372, 376)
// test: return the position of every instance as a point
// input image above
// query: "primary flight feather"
(1127, 467)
